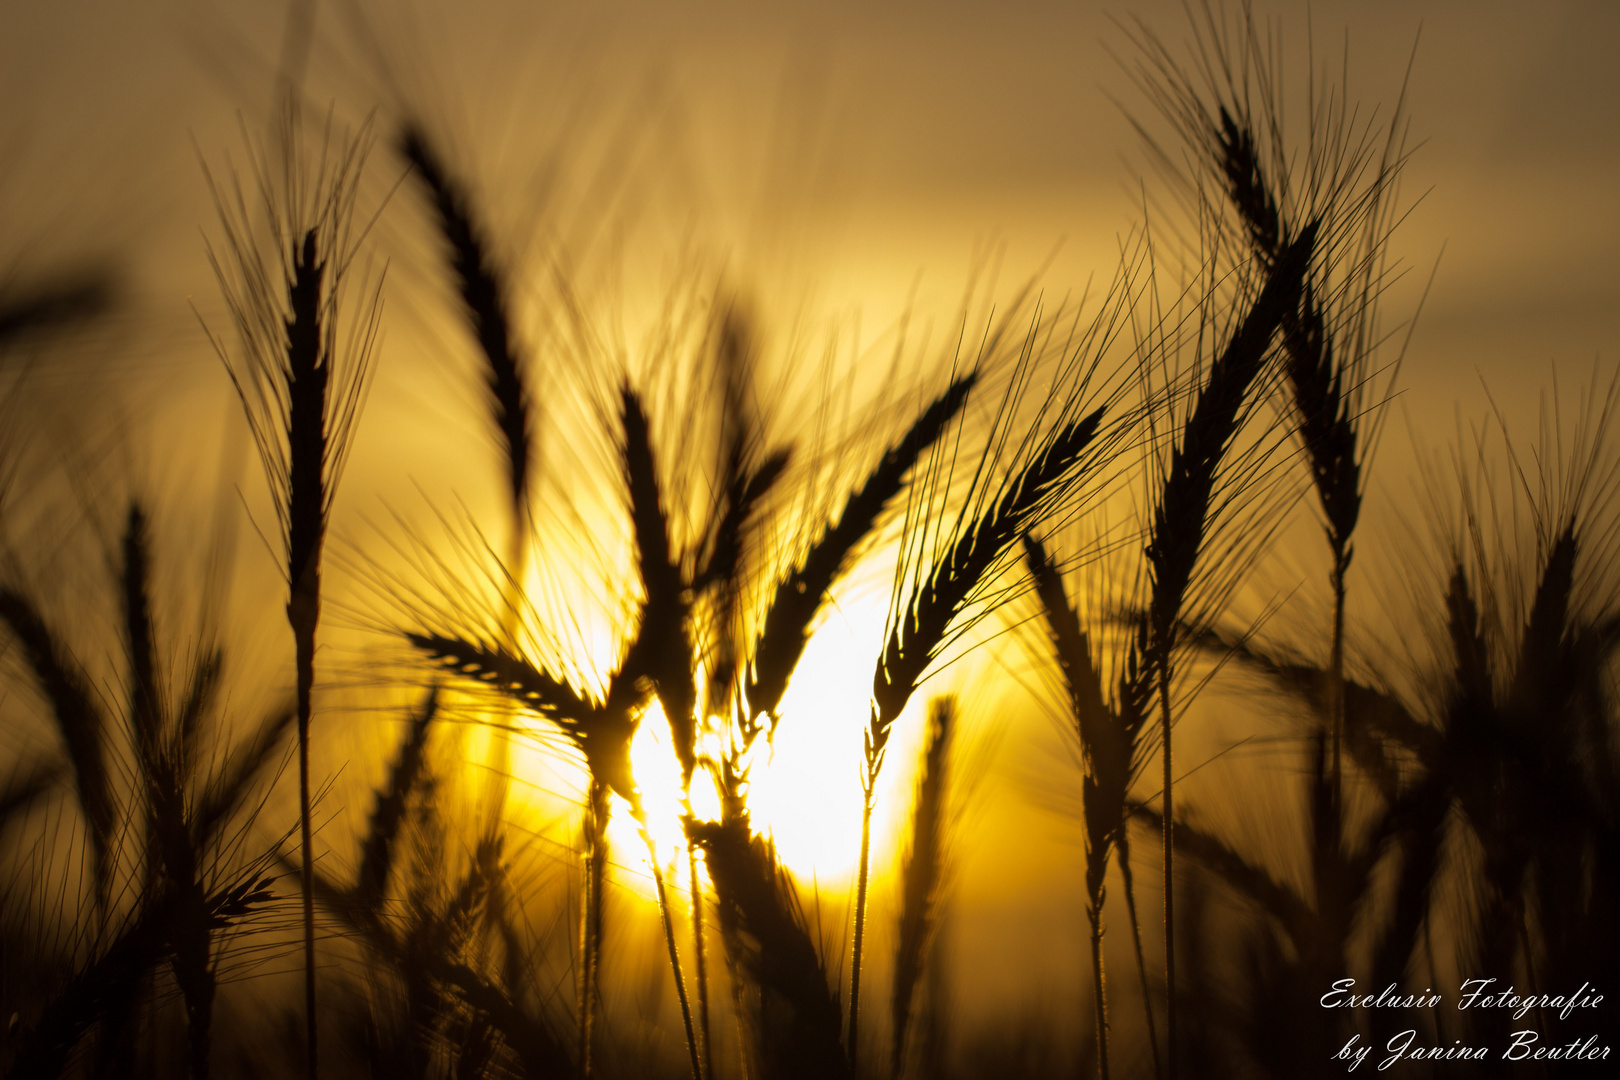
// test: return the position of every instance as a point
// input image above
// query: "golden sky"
(909, 130)
(840, 158)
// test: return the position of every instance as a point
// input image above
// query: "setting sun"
(805, 791)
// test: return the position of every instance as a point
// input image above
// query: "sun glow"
(804, 791)
(804, 787)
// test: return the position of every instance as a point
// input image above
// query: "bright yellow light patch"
(807, 793)
(658, 776)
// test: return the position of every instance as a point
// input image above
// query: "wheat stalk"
(111, 977)
(602, 733)
(172, 856)
(1108, 745)
(1181, 517)
(1316, 376)
(799, 596)
(388, 807)
(746, 474)
(185, 818)
(428, 949)
(770, 943)
(921, 623)
(922, 873)
(597, 811)
(79, 722)
(662, 650)
(301, 386)
(1327, 341)
(663, 647)
(486, 301)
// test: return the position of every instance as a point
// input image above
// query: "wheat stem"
(307, 374)
(921, 875)
(669, 941)
(919, 626)
(1129, 880)
(1181, 520)
(863, 881)
(596, 856)
(700, 960)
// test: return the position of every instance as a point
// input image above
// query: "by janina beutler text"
(1477, 995)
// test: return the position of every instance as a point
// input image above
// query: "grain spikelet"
(486, 299)
(663, 647)
(79, 722)
(775, 950)
(388, 807)
(922, 873)
(799, 596)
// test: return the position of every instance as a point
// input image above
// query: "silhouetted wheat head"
(956, 554)
(799, 1018)
(1185, 510)
(300, 369)
(657, 658)
(486, 304)
(479, 280)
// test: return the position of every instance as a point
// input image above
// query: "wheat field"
(509, 568)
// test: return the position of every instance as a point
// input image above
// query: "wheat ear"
(1106, 750)
(1181, 518)
(799, 596)
(79, 723)
(770, 943)
(922, 622)
(1327, 428)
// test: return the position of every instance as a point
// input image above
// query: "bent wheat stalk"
(1181, 519)
(921, 625)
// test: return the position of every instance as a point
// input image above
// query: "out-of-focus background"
(840, 165)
